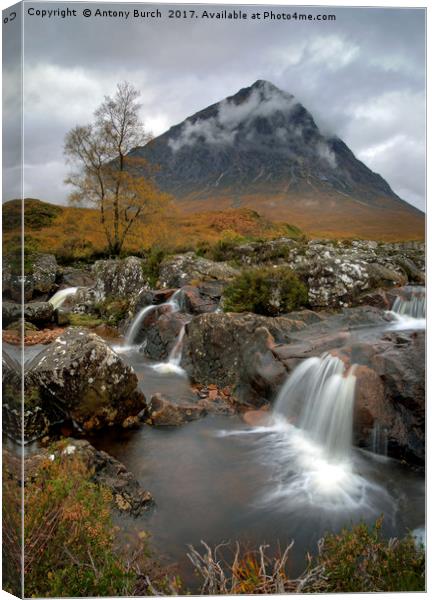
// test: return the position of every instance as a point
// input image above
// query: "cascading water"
(308, 443)
(135, 326)
(413, 307)
(410, 313)
(319, 397)
(172, 365)
(176, 352)
(379, 440)
(61, 296)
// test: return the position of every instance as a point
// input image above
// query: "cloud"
(223, 127)
(326, 154)
(361, 77)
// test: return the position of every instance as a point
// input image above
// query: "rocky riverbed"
(127, 353)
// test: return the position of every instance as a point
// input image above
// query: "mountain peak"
(260, 147)
(263, 83)
(261, 91)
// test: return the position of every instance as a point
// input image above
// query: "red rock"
(213, 394)
(256, 417)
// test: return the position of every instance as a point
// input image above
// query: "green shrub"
(265, 291)
(151, 265)
(362, 560)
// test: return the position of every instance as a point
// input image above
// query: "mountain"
(262, 149)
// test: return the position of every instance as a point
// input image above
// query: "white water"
(410, 313)
(134, 327)
(379, 440)
(60, 297)
(319, 396)
(172, 365)
(308, 445)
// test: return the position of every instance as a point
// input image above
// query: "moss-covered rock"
(81, 374)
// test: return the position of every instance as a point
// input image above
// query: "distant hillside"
(37, 214)
(76, 232)
(262, 149)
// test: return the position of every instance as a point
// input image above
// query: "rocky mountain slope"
(262, 149)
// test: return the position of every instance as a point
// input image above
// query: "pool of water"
(219, 480)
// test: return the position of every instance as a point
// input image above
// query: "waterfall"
(176, 353)
(135, 326)
(410, 313)
(307, 444)
(319, 398)
(172, 365)
(59, 297)
(379, 439)
(413, 307)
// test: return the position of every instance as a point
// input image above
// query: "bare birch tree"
(107, 175)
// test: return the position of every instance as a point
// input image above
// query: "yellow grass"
(173, 230)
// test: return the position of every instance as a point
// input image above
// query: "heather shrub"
(360, 559)
(265, 291)
(69, 536)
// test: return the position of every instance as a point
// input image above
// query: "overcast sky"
(362, 78)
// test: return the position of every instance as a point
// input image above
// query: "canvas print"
(213, 299)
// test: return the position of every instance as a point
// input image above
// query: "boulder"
(338, 273)
(194, 302)
(11, 313)
(162, 412)
(44, 273)
(11, 381)
(39, 313)
(237, 350)
(36, 421)
(189, 269)
(39, 279)
(72, 277)
(390, 392)
(84, 300)
(86, 379)
(118, 278)
(339, 279)
(160, 333)
(211, 400)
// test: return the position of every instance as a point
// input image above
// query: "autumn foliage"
(69, 535)
(75, 234)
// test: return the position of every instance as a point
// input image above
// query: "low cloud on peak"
(262, 100)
